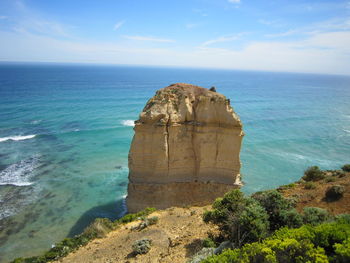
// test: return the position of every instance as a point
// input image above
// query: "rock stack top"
(181, 103)
(185, 150)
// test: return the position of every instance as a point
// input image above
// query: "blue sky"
(273, 35)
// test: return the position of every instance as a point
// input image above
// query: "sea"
(66, 129)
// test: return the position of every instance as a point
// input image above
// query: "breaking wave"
(17, 138)
(19, 173)
(128, 123)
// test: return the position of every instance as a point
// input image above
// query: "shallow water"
(65, 132)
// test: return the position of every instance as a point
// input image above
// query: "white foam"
(17, 138)
(348, 131)
(128, 123)
(19, 173)
(34, 122)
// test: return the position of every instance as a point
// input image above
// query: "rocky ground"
(175, 238)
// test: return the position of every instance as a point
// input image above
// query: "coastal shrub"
(313, 173)
(315, 215)
(291, 218)
(99, 228)
(330, 179)
(309, 185)
(273, 251)
(208, 242)
(276, 206)
(142, 246)
(240, 219)
(285, 187)
(145, 223)
(153, 220)
(335, 192)
(327, 242)
(343, 218)
(132, 217)
(346, 168)
(342, 252)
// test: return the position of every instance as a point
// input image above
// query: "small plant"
(287, 186)
(313, 173)
(335, 192)
(315, 215)
(329, 179)
(142, 246)
(346, 168)
(208, 242)
(309, 185)
(152, 220)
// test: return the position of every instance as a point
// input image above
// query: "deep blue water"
(65, 136)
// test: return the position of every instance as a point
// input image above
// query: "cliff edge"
(185, 150)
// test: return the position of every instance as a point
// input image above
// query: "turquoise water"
(65, 132)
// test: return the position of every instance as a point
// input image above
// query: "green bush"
(315, 215)
(346, 168)
(342, 252)
(330, 179)
(313, 173)
(240, 219)
(271, 251)
(343, 218)
(141, 246)
(335, 192)
(276, 206)
(132, 217)
(208, 242)
(152, 220)
(309, 185)
(291, 218)
(328, 242)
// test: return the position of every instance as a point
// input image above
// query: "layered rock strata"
(185, 150)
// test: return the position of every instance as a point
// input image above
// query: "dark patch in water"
(119, 167)
(123, 184)
(112, 210)
(71, 126)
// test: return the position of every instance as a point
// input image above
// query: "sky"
(270, 35)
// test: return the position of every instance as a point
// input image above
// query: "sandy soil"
(315, 197)
(175, 238)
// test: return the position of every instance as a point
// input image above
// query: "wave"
(128, 123)
(20, 173)
(17, 138)
(347, 131)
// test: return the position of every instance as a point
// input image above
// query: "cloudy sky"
(272, 35)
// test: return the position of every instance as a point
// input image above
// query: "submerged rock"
(185, 150)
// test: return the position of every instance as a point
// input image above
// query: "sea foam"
(128, 123)
(17, 138)
(20, 173)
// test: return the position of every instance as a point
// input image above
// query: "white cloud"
(234, 1)
(318, 53)
(118, 25)
(148, 38)
(221, 39)
(3, 17)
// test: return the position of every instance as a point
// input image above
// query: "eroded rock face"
(185, 150)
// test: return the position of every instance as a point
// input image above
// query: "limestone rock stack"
(185, 150)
